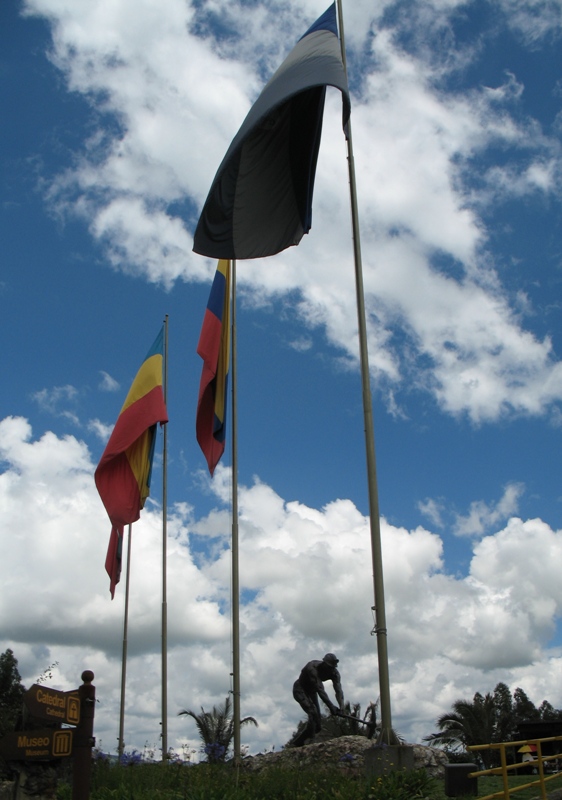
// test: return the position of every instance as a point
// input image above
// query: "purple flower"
(215, 751)
(130, 759)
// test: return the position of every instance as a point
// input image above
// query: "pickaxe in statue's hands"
(370, 725)
(355, 719)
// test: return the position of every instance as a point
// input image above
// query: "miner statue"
(309, 686)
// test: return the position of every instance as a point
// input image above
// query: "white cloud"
(101, 430)
(433, 510)
(482, 516)
(50, 399)
(306, 575)
(169, 85)
(534, 19)
(167, 96)
(107, 383)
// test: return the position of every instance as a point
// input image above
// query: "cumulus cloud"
(440, 320)
(167, 92)
(306, 587)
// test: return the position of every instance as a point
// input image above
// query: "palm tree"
(487, 720)
(216, 729)
(468, 723)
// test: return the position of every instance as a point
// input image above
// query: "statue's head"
(330, 659)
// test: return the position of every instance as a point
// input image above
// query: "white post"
(386, 735)
(121, 741)
(235, 571)
(164, 556)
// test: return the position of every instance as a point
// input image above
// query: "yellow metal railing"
(538, 762)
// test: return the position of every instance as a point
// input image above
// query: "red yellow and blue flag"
(123, 474)
(214, 349)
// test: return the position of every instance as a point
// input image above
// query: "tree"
(216, 729)
(468, 723)
(488, 719)
(11, 692)
(523, 708)
(11, 700)
(506, 724)
(547, 711)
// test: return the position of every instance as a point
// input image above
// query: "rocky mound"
(347, 752)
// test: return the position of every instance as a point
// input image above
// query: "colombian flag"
(123, 474)
(214, 349)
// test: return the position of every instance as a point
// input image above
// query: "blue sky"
(115, 118)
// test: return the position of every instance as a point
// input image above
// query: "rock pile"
(346, 752)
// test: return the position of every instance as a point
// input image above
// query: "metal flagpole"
(164, 554)
(235, 576)
(386, 734)
(120, 741)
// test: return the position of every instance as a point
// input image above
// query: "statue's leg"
(308, 706)
(317, 715)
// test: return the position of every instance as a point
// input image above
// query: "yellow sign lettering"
(50, 699)
(33, 741)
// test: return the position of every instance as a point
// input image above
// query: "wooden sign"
(37, 745)
(53, 705)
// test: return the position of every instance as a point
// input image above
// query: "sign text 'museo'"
(37, 745)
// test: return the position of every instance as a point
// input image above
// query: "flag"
(123, 474)
(260, 201)
(214, 349)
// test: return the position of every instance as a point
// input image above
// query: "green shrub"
(221, 782)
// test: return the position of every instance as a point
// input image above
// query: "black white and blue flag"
(260, 201)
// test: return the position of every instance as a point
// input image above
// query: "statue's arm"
(316, 681)
(322, 693)
(336, 683)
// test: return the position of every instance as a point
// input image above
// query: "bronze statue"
(309, 686)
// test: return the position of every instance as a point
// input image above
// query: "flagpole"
(120, 741)
(164, 555)
(235, 571)
(386, 734)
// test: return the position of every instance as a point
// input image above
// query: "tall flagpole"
(164, 554)
(235, 575)
(386, 734)
(121, 741)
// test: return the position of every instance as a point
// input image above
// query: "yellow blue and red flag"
(123, 474)
(214, 349)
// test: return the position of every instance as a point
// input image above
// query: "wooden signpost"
(46, 744)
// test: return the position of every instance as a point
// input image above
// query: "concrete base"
(457, 781)
(382, 759)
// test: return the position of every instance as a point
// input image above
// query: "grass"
(176, 781)
(494, 784)
(220, 782)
